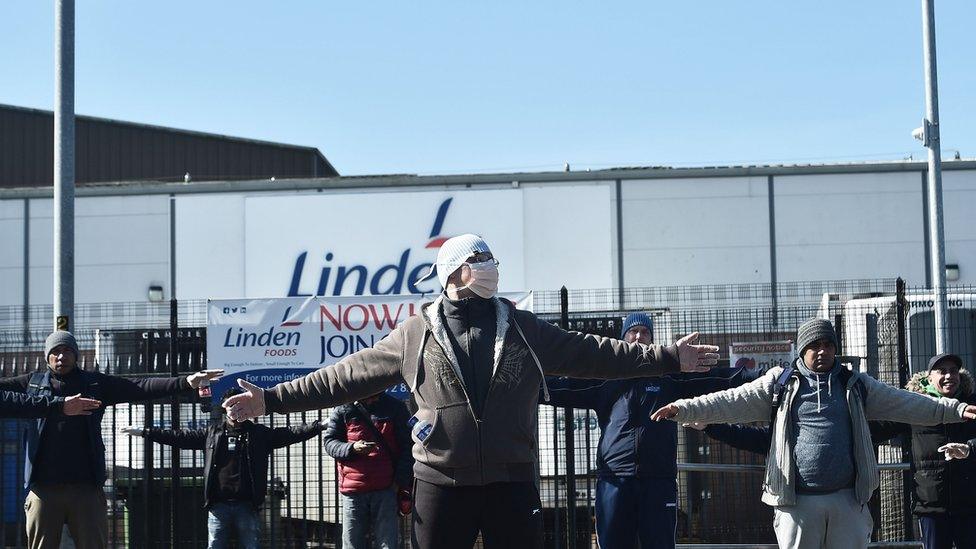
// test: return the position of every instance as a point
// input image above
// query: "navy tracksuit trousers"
(629, 509)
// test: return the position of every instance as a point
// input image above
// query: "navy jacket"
(22, 405)
(631, 445)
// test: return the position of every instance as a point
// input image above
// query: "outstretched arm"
(359, 375)
(575, 393)
(588, 356)
(742, 437)
(187, 439)
(884, 402)
(120, 389)
(285, 436)
(744, 404)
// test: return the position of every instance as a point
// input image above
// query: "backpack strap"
(779, 387)
(39, 384)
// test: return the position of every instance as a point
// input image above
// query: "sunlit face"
(945, 378)
(638, 334)
(819, 355)
(62, 360)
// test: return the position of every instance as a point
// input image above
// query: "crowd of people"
(464, 462)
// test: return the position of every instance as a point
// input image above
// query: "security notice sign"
(269, 341)
(761, 354)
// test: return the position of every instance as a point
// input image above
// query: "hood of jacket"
(920, 381)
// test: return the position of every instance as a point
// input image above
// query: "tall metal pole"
(930, 132)
(64, 164)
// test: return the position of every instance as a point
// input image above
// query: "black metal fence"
(887, 328)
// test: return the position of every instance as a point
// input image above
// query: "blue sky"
(458, 87)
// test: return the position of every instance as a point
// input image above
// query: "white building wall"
(675, 232)
(695, 231)
(12, 252)
(959, 205)
(837, 227)
(210, 246)
(121, 248)
(570, 236)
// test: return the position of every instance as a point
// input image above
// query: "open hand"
(665, 412)
(76, 405)
(694, 357)
(132, 430)
(695, 425)
(955, 450)
(247, 405)
(970, 412)
(196, 379)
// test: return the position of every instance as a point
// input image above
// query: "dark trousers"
(629, 509)
(941, 531)
(508, 515)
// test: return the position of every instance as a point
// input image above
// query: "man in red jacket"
(370, 441)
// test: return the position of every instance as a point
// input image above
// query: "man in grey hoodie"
(821, 469)
(474, 365)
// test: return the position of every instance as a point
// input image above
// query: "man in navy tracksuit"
(636, 494)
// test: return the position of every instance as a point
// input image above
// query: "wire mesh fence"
(887, 336)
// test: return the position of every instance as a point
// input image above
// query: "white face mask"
(484, 278)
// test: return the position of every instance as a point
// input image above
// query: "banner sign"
(761, 354)
(270, 341)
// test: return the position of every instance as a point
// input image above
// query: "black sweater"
(471, 326)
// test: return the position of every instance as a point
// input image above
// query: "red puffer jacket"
(377, 470)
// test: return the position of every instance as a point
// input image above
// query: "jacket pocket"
(453, 438)
(929, 487)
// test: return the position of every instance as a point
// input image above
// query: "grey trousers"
(821, 521)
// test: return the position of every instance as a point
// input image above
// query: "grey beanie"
(813, 330)
(60, 337)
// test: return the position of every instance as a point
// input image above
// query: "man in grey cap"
(821, 469)
(474, 365)
(64, 466)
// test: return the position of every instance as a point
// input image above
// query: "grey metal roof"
(112, 150)
(376, 182)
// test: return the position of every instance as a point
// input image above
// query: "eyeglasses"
(482, 257)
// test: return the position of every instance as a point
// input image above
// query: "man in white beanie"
(474, 365)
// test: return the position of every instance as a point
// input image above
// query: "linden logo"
(393, 278)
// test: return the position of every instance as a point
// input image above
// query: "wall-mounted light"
(155, 293)
(952, 272)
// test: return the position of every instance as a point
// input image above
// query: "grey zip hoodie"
(822, 440)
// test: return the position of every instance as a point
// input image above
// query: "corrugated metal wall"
(108, 150)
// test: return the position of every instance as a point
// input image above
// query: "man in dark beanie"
(636, 459)
(821, 469)
(64, 469)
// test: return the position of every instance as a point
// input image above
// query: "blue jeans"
(374, 512)
(629, 509)
(224, 517)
